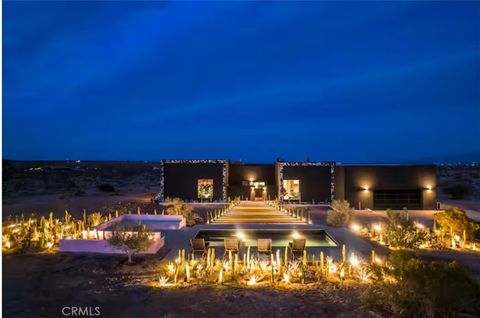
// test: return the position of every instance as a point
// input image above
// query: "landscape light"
(366, 188)
(333, 268)
(419, 225)
(240, 235)
(355, 227)
(377, 227)
(163, 281)
(296, 235)
(354, 260)
(253, 280)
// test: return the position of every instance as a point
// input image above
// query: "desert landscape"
(40, 284)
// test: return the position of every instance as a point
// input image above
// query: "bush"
(457, 192)
(340, 214)
(176, 206)
(453, 222)
(411, 287)
(106, 187)
(402, 233)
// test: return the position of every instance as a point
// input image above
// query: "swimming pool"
(280, 237)
(154, 222)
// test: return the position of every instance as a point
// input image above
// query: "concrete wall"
(360, 182)
(104, 247)
(180, 179)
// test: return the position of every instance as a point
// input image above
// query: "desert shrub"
(458, 191)
(340, 214)
(131, 240)
(453, 222)
(410, 287)
(176, 206)
(106, 187)
(401, 232)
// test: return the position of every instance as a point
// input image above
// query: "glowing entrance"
(258, 191)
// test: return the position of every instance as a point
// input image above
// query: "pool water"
(280, 238)
(154, 225)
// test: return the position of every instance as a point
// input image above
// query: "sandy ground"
(41, 285)
(43, 204)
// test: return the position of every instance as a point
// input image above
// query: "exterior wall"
(239, 174)
(319, 182)
(339, 193)
(180, 178)
(315, 180)
(361, 181)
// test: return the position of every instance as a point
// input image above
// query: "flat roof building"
(364, 186)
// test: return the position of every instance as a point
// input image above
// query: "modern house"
(364, 186)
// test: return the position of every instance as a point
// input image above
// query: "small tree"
(131, 240)
(340, 214)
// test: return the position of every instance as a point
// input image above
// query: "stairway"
(256, 212)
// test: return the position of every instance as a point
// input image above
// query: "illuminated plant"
(254, 279)
(454, 222)
(163, 280)
(401, 232)
(364, 273)
(131, 240)
(94, 219)
(340, 214)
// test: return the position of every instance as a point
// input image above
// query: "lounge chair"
(298, 246)
(198, 246)
(264, 246)
(231, 245)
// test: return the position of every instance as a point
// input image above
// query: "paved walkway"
(259, 212)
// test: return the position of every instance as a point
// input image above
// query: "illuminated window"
(291, 189)
(205, 188)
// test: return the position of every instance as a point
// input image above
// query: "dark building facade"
(364, 186)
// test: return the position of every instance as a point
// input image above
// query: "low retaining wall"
(104, 247)
(177, 221)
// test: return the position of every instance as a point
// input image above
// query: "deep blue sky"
(351, 82)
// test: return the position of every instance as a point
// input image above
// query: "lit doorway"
(258, 191)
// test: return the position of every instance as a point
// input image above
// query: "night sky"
(350, 82)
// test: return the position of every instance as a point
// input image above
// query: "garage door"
(397, 199)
